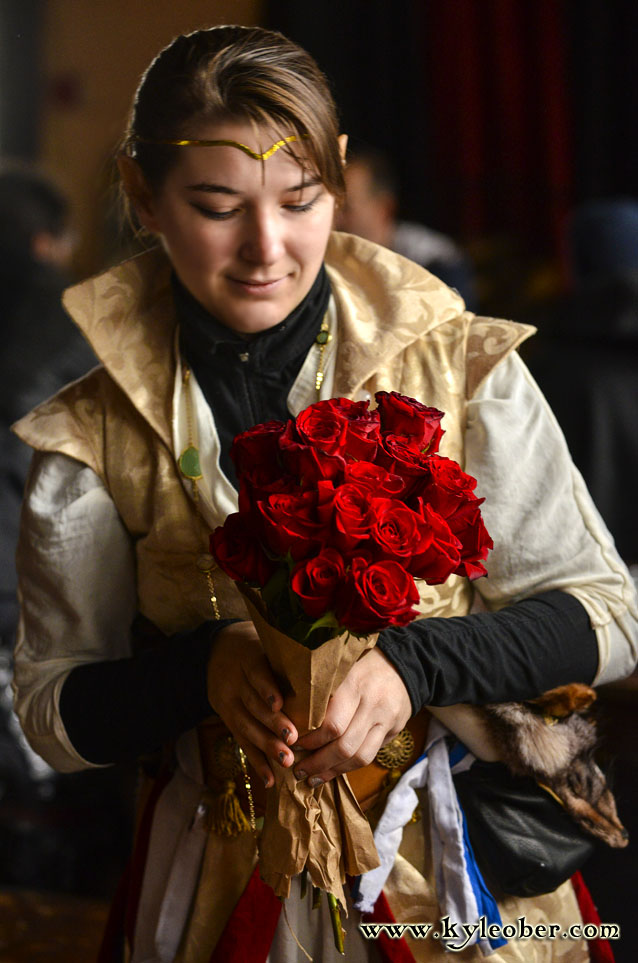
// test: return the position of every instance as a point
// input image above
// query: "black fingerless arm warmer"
(128, 707)
(116, 710)
(507, 656)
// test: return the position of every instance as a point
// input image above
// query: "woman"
(234, 162)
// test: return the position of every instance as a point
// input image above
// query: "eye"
(300, 208)
(214, 215)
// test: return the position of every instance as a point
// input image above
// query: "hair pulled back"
(234, 73)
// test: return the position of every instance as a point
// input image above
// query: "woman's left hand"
(370, 707)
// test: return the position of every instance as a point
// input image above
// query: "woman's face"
(246, 238)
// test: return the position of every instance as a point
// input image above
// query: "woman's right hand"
(243, 692)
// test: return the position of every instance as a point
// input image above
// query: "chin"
(254, 319)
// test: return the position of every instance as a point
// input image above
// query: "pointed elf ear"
(343, 146)
(138, 192)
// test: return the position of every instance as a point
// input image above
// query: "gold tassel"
(225, 815)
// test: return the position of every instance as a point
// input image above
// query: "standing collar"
(383, 302)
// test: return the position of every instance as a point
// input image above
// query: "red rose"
(364, 429)
(397, 531)
(448, 486)
(376, 596)
(339, 425)
(322, 427)
(317, 580)
(257, 484)
(469, 527)
(353, 517)
(401, 415)
(307, 464)
(442, 555)
(365, 474)
(289, 523)
(397, 455)
(238, 553)
(258, 447)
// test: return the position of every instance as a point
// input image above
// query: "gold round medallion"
(397, 752)
(226, 758)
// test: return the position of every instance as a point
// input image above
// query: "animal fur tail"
(553, 738)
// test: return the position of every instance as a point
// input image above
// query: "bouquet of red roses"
(340, 510)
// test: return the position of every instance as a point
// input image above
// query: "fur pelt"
(553, 738)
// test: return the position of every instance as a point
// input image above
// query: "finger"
(277, 722)
(259, 675)
(334, 726)
(249, 729)
(344, 753)
(363, 757)
(259, 763)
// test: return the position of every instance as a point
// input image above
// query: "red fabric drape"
(251, 927)
(390, 951)
(599, 950)
(120, 924)
(496, 75)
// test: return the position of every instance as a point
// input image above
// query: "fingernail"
(301, 774)
(271, 700)
(315, 781)
(266, 781)
(282, 756)
(284, 735)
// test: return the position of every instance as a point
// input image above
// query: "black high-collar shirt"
(247, 380)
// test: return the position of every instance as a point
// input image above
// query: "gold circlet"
(256, 155)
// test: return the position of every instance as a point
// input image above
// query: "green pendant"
(189, 463)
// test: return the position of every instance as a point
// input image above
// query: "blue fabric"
(486, 903)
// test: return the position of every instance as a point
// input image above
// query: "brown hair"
(232, 72)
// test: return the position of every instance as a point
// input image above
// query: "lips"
(257, 286)
(254, 282)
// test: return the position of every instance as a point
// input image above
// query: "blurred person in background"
(56, 832)
(42, 349)
(586, 360)
(371, 211)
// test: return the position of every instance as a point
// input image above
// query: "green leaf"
(275, 587)
(327, 621)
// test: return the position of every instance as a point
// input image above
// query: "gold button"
(205, 562)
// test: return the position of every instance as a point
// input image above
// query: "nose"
(263, 239)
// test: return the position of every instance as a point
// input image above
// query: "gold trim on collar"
(223, 143)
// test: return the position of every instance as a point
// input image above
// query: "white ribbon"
(455, 892)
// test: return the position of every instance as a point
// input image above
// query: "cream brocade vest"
(399, 328)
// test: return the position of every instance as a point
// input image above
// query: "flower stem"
(337, 928)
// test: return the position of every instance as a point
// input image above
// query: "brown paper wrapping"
(322, 830)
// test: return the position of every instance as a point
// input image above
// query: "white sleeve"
(76, 568)
(547, 533)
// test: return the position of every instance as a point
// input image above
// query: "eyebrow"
(207, 188)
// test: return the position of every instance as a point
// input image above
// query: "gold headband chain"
(221, 143)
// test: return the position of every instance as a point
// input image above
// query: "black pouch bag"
(524, 841)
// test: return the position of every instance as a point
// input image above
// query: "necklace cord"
(190, 467)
